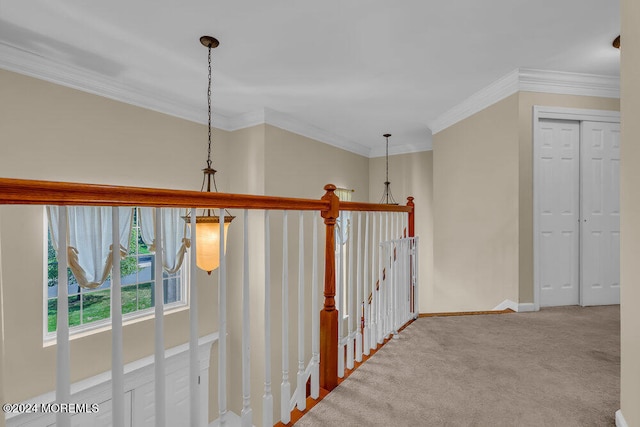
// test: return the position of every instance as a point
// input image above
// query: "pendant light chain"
(209, 105)
(387, 197)
(387, 164)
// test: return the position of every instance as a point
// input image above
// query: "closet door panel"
(600, 213)
(558, 188)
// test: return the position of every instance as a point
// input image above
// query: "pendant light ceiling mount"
(209, 42)
(616, 42)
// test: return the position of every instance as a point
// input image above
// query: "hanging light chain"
(209, 106)
(387, 157)
(387, 197)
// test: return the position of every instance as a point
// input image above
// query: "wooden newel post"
(329, 314)
(412, 230)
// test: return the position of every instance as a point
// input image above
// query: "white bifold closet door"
(559, 212)
(578, 213)
(600, 232)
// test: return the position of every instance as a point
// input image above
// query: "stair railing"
(320, 368)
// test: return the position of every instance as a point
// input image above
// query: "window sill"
(50, 339)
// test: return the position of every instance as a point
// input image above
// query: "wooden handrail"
(373, 207)
(31, 192)
(34, 192)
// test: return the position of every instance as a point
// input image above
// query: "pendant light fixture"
(387, 197)
(208, 224)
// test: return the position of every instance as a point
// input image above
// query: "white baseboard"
(620, 421)
(506, 304)
(520, 308)
(525, 307)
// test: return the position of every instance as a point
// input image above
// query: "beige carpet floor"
(556, 367)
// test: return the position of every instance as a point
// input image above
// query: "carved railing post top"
(409, 199)
(334, 204)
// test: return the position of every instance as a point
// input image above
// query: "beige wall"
(297, 166)
(526, 101)
(84, 138)
(475, 198)
(630, 213)
(411, 175)
(482, 166)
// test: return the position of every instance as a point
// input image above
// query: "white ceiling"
(352, 69)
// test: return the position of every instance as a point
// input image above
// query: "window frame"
(50, 338)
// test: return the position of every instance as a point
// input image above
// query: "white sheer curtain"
(90, 240)
(174, 232)
(343, 223)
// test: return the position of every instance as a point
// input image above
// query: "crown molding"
(30, 64)
(289, 123)
(292, 124)
(496, 91)
(569, 83)
(40, 67)
(242, 121)
(529, 80)
(401, 149)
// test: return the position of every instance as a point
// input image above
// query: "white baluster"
(366, 286)
(400, 314)
(194, 361)
(267, 398)
(350, 306)
(315, 315)
(247, 413)
(410, 312)
(384, 288)
(380, 293)
(374, 278)
(407, 280)
(399, 283)
(358, 306)
(222, 326)
(160, 390)
(393, 292)
(416, 277)
(404, 280)
(285, 387)
(339, 299)
(394, 265)
(63, 372)
(390, 270)
(301, 388)
(117, 365)
(405, 224)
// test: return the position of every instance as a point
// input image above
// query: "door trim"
(558, 113)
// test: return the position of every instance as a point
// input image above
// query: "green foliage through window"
(137, 271)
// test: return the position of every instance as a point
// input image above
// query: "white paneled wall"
(139, 396)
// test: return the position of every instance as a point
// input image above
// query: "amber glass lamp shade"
(208, 241)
